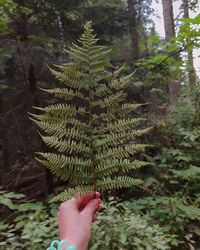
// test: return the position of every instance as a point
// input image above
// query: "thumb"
(91, 207)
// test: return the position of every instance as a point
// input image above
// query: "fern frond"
(61, 160)
(122, 125)
(117, 182)
(121, 112)
(91, 129)
(105, 184)
(97, 53)
(78, 54)
(117, 165)
(73, 192)
(66, 121)
(111, 101)
(60, 131)
(62, 109)
(112, 140)
(66, 94)
(114, 74)
(67, 145)
(115, 84)
(67, 173)
(121, 152)
(68, 80)
(127, 108)
(98, 67)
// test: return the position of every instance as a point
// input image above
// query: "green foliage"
(172, 212)
(116, 228)
(7, 8)
(31, 226)
(181, 164)
(189, 34)
(35, 230)
(90, 129)
(175, 215)
(7, 197)
(162, 67)
(177, 205)
(119, 228)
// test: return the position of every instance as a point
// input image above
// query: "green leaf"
(7, 202)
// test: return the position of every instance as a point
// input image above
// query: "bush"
(35, 226)
(173, 214)
(118, 228)
(32, 225)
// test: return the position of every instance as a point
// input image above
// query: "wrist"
(61, 245)
(80, 245)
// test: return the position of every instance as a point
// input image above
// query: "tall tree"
(132, 17)
(174, 87)
(190, 63)
(168, 16)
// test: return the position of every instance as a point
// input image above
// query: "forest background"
(164, 213)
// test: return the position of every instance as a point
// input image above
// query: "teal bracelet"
(60, 245)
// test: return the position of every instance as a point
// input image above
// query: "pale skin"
(75, 219)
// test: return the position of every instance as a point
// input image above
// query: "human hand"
(75, 217)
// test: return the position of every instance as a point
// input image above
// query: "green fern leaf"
(65, 94)
(91, 131)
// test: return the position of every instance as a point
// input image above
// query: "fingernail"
(97, 193)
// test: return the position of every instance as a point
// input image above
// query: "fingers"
(94, 217)
(98, 195)
(92, 207)
(81, 203)
(87, 198)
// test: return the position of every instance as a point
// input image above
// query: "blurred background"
(157, 40)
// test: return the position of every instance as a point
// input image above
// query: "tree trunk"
(168, 19)
(133, 24)
(21, 21)
(3, 138)
(174, 87)
(190, 63)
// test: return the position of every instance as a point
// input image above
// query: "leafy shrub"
(178, 209)
(29, 232)
(175, 215)
(119, 228)
(176, 202)
(35, 226)
(31, 225)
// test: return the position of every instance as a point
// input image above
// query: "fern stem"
(92, 131)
